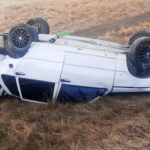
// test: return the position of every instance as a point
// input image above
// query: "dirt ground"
(114, 26)
(123, 34)
(115, 122)
(70, 15)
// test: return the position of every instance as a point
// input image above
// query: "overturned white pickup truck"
(36, 66)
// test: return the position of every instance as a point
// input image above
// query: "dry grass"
(69, 15)
(124, 34)
(118, 122)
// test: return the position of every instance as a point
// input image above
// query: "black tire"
(20, 38)
(40, 25)
(138, 58)
(137, 35)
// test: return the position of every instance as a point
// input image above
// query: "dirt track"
(96, 31)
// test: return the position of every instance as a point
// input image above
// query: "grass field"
(124, 34)
(69, 15)
(116, 122)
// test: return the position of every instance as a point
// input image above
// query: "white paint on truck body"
(73, 61)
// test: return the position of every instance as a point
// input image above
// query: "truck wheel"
(138, 59)
(20, 38)
(40, 25)
(138, 35)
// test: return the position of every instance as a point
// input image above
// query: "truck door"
(85, 77)
(37, 79)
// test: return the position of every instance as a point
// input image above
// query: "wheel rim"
(144, 53)
(38, 26)
(20, 38)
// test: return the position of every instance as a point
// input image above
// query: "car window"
(36, 90)
(79, 94)
(11, 84)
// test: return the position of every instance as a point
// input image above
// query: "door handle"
(65, 80)
(20, 74)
